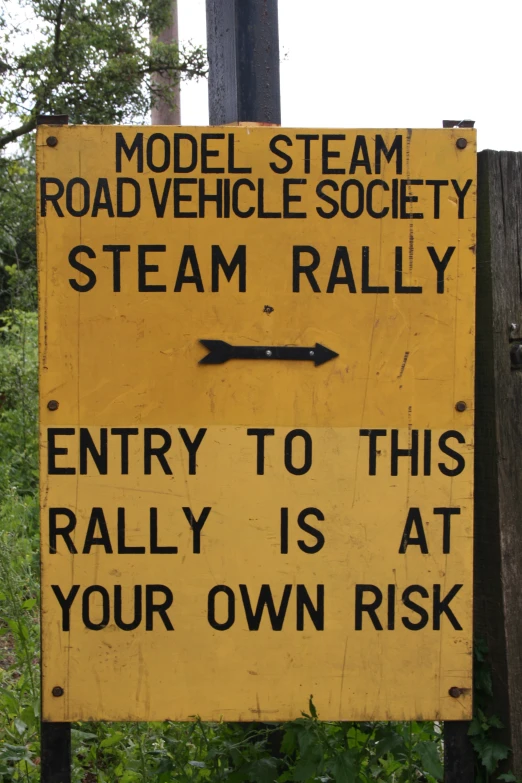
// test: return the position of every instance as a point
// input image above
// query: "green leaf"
(9, 699)
(509, 778)
(82, 735)
(263, 770)
(15, 752)
(304, 769)
(130, 777)
(239, 775)
(112, 739)
(388, 743)
(343, 768)
(310, 763)
(311, 707)
(475, 728)
(306, 738)
(289, 742)
(429, 755)
(29, 603)
(20, 726)
(28, 717)
(489, 752)
(493, 753)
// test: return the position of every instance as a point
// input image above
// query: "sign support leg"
(459, 760)
(55, 753)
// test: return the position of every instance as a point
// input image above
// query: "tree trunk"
(162, 113)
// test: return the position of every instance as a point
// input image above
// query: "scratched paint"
(176, 495)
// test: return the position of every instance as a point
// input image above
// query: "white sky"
(389, 63)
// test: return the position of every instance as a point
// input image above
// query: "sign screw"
(53, 405)
(58, 691)
(52, 141)
(311, 353)
(455, 692)
(460, 406)
(268, 353)
(462, 144)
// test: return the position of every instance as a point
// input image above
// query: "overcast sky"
(389, 64)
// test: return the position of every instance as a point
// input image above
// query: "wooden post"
(55, 753)
(55, 738)
(459, 760)
(243, 55)
(498, 480)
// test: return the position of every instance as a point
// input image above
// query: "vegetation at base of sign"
(90, 59)
(19, 629)
(310, 751)
(484, 730)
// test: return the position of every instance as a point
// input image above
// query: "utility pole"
(162, 113)
(243, 55)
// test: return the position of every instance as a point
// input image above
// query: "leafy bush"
(18, 401)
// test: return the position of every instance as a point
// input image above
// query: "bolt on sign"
(256, 375)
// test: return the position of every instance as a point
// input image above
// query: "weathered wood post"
(498, 485)
(55, 754)
(459, 760)
(55, 738)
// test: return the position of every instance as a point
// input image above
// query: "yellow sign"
(256, 367)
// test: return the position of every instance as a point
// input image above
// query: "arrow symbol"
(220, 352)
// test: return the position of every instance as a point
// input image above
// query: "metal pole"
(243, 55)
(55, 753)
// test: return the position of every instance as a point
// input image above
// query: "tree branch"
(58, 32)
(14, 134)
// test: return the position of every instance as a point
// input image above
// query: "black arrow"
(220, 352)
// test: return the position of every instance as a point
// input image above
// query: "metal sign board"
(256, 369)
